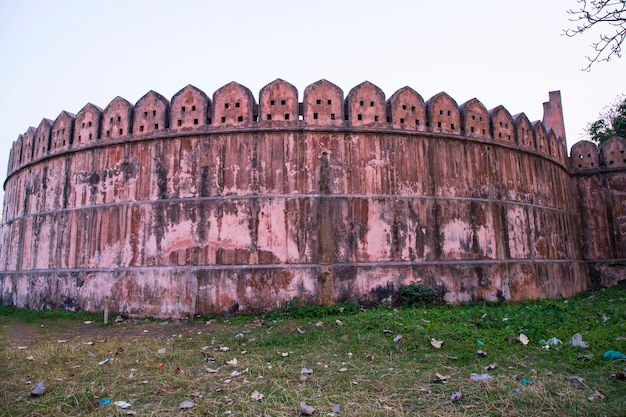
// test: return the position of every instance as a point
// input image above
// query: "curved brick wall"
(199, 205)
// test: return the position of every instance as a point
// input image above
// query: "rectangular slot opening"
(195, 121)
(286, 116)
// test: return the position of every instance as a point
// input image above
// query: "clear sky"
(59, 55)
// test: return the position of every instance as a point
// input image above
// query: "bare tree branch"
(608, 14)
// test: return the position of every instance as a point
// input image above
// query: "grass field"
(339, 361)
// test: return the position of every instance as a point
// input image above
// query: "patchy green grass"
(357, 359)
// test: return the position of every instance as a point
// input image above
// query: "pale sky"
(59, 54)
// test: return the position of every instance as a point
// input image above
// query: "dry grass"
(355, 364)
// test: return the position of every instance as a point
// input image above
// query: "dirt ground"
(24, 334)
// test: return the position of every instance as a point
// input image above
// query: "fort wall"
(200, 205)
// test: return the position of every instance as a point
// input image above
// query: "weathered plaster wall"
(600, 178)
(223, 204)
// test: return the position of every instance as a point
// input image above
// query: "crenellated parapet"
(234, 106)
(588, 156)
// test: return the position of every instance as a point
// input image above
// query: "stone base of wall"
(603, 274)
(188, 291)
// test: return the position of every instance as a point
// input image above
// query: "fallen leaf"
(523, 339)
(257, 396)
(224, 348)
(588, 356)
(397, 338)
(618, 376)
(436, 343)
(319, 324)
(580, 382)
(598, 395)
(61, 341)
(161, 351)
(212, 371)
(343, 369)
(481, 352)
(39, 389)
(30, 358)
(235, 373)
(385, 331)
(306, 371)
(300, 330)
(186, 404)
(284, 354)
(492, 366)
(441, 379)
(339, 322)
(22, 347)
(335, 408)
(232, 362)
(305, 409)
(456, 396)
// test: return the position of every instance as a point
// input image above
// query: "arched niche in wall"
(366, 105)
(613, 152)
(278, 101)
(584, 156)
(233, 105)
(524, 132)
(323, 104)
(150, 114)
(442, 114)
(61, 135)
(502, 125)
(541, 137)
(87, 125)
(189, 109)
(41, 146)
(407, 110)
(116, 119)
(475, 119)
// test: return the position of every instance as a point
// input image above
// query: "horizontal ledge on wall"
(240, 267)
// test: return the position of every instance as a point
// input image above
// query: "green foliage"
(612, 122)
(417, 295)
(377, 362)
(300, 309)
(30, 316)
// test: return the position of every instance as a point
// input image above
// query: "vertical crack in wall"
(326, 235)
